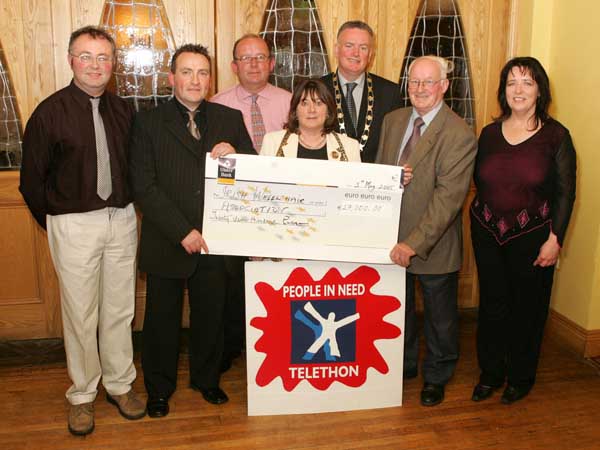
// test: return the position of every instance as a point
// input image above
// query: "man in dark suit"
(440, 148)
(168, 149)
(362, 98)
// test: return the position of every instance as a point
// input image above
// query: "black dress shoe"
(513, 393)
(432, 394)
(157, 407)
(214, 395)
(482, 391)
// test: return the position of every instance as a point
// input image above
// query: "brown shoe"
(129, 404)
(81, 419)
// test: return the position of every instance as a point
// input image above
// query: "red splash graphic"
(277, 331)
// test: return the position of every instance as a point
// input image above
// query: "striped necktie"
(350, 102)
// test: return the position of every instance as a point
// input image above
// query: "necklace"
(315, 146)
(342, 153)
(340, 113)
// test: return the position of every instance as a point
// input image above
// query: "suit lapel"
(175, 125)
(290, 150)
(395, 134)
(429, 138)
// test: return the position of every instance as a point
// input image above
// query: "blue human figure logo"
(324, 331)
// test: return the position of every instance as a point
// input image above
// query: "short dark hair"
(249, 36)
(356, 24)
(189, 48)
(314, 88)
(94, 33)
(539, 75)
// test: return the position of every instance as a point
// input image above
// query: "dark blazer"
(167, 179)
(387, 98)
(442, 162)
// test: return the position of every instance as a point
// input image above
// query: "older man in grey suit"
(440, 148)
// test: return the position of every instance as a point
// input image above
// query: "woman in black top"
(525, 179)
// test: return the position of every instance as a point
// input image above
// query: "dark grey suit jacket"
(166, 173)
(442, 162)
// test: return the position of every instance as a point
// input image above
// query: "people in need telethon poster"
(323, 336)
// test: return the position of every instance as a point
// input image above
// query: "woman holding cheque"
(309, 129)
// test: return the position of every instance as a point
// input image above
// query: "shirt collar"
(359, 81)
(184, 109)
(242, 94)
(427, 118)
(82, 97)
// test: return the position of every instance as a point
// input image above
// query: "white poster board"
(323, 336)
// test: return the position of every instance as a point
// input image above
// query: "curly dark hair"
(315, 89)
(539, 75)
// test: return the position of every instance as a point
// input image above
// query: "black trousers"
(162, 324)
(440, 326)
(513, 305)
(235, 309)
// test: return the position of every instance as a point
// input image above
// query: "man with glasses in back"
(264, 106)
(440, 147)
(265, 109)
(74, 180)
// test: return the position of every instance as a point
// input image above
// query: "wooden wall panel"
(38, 50)
(35, 33)
(11, 36)
(61, 22)
(18, 276)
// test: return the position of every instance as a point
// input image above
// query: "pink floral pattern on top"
(544, 210)
(523, 218)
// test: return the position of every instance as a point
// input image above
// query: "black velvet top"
(524, 186)
(319, 153)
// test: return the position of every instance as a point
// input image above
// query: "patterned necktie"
(103, 178)
(258, 126)
(191, 125)
(412, 141)
(350, 102)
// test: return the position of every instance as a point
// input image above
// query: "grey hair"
(446, 66)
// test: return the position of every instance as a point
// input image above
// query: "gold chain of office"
(340, 113)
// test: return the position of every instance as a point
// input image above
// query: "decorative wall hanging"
(438, 30)
(145, 45)
(293, 30)
(10, 124)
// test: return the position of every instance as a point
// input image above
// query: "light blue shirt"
(357, 93)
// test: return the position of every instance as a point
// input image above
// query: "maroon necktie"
(412, 142)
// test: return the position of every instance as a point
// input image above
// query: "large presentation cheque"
(300, 208)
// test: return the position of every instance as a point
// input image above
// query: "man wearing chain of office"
(362, 98)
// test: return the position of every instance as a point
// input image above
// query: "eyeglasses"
(258, 58)
(414, 84)
(87, 58)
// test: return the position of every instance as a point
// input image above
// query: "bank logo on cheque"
(323, 330)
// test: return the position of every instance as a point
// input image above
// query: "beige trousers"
(94, 256)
